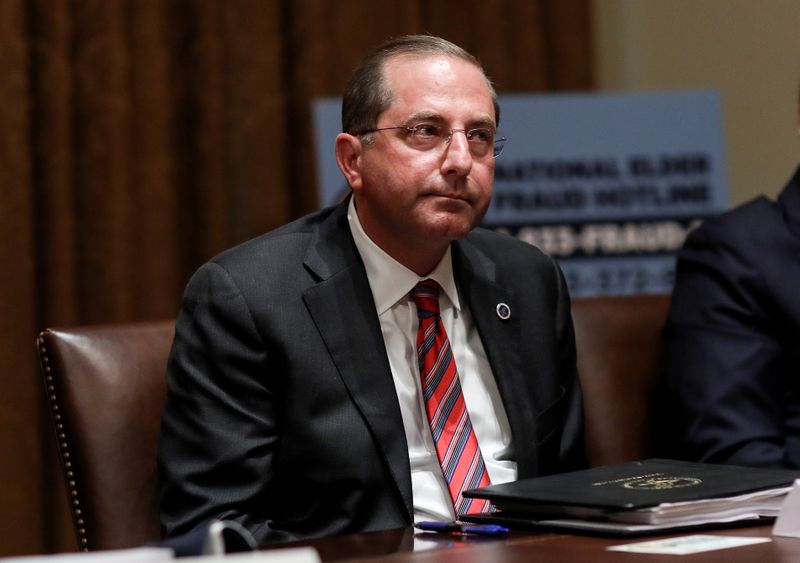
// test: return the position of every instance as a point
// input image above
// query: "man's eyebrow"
(482, 122)
(425, 116)
(434, 117)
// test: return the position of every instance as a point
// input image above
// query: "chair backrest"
(105, 388)
(620, 349)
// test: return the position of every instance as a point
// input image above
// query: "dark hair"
(368, 95)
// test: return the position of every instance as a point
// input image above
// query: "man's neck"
(421, 257)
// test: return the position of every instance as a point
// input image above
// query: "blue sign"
(609, 184)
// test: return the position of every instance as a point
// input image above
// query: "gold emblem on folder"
(657, 483)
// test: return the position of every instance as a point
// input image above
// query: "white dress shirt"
(391, 283)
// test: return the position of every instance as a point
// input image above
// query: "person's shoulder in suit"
(742, 253)
(750, 224)
(280, 244)
(509, 252)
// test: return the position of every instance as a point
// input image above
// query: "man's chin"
(451, 228)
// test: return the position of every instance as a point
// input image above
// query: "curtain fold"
(140, 137)
(21, 428)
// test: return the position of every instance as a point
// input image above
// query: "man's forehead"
(402, 71)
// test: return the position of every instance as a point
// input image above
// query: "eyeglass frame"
(446, 138)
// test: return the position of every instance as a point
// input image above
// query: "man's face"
(419, 200)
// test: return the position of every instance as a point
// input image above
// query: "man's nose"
(458, 158)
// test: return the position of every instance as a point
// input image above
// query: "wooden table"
(406, 546)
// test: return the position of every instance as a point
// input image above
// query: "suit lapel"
(476, 276)
(343, 310)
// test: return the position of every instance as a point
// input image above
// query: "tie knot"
(426, 297)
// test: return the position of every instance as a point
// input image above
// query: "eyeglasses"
(482, 140)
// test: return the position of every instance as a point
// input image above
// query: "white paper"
(788, 522)
(685, 545)
(726, 509)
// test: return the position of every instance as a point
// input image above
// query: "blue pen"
(462, 528)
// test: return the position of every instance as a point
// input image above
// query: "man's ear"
(348, 157)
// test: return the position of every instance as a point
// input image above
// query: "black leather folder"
(640, 497)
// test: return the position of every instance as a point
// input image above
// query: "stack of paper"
(760, 504)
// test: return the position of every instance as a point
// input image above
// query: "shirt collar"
(389, 280)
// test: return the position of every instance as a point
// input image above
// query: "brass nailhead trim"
(63, 445)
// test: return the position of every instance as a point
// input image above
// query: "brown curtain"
(138, 138)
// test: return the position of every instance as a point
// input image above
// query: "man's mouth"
(450, 195)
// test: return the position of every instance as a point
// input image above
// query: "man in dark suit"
(294, 401)
(732, 383)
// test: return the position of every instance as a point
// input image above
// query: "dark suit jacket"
(733, 338)
(281, 411)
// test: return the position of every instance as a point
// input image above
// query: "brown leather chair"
(619, 359)
(105, 388)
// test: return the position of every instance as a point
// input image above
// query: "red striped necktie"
(456, 445)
